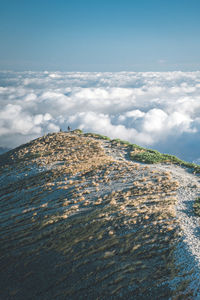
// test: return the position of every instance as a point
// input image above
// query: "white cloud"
(152, 109)
(154, 121)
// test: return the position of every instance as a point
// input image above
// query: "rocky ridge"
(82, 221)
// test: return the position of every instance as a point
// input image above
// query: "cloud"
(158, 110)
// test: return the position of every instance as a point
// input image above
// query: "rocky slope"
(79, 220)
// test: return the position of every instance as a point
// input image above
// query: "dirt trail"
(188, 250)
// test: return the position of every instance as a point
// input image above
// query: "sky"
(128, 69)
(100, 35)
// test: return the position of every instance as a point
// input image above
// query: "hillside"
(81, 220)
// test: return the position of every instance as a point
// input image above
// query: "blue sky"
(100, 35)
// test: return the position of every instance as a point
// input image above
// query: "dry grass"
(86, 207)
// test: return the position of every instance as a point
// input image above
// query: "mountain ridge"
(77, 212)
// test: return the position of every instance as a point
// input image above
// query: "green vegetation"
(148, 156)
(97, 136)
(153, 156)
(124, 143)
(197, 206)
(78, 131)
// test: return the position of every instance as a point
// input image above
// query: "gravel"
(187, 253)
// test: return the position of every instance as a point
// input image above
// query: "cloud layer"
(158, 110)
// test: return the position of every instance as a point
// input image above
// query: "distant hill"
(81, 220)
(3, 150)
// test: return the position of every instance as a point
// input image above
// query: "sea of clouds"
(152, 109)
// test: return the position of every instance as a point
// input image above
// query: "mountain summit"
(81, 220)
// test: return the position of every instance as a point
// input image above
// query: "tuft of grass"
(78, 131)
(124, 143)
(97, 136)
(196, 206)
(150, 156)
(34, 155)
